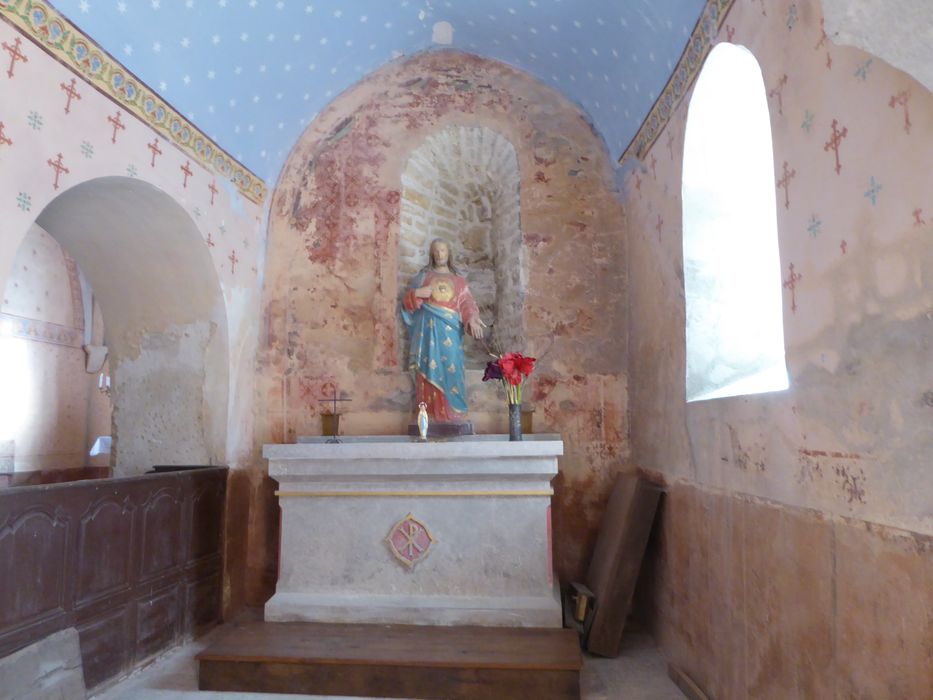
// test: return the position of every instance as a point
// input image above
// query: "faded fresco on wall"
(769, 492)
(331, 297)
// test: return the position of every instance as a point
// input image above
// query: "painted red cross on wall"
(15, 55)
(233, 261)
(778, 91)
(785, 183)
(834, 142)
(156, 151)
(4, 138)
(186, 169)
(824, 37)
(791, 284)
(59, 168)
(117, 124)
(213, 188)
(72, 94)
(902, 98)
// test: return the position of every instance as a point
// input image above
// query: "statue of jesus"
(438, 307)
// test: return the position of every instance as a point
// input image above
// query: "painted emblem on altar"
(409, 539)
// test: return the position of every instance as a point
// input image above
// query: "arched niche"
(462, 185)
(164, 313)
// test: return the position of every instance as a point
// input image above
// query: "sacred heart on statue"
(409, 539)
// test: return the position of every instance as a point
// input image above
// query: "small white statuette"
(423, 420)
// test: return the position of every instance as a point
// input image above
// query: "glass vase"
(515, 422)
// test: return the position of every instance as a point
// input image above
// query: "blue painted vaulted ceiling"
(252, 74)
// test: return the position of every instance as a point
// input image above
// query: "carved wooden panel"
(29, 587)
(104, 651)
(105, 549)
(159, 622)
(134, 563)
(203, 602)
(161, 545)
(207, 522)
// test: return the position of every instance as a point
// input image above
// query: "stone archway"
(462, 185)
(164, 311)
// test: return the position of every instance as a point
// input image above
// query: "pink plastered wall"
(53, 140)
(59, 131)
(776, 497)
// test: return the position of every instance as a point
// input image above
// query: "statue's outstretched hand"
(475, 327)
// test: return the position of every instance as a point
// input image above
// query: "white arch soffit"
(732, 272)
(164, 314)
(141, 251)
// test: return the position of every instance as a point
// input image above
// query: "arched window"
(732, 270)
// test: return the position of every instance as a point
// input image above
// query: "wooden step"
(394, 661)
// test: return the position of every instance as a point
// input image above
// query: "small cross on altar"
(335, 417)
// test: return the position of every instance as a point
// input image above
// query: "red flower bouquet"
(512, 369)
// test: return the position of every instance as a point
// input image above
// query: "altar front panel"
(472, 518)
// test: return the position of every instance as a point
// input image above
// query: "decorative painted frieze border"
(688, 67)
(58, 36)
(40, 331)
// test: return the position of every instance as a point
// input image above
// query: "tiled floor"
(639, 673)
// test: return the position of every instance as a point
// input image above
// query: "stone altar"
(386, 529)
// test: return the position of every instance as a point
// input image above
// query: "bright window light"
(16, 388)
(732, 271)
